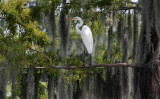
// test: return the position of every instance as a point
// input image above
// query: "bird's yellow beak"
(70, 18)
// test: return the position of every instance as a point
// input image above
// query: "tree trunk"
(147, 84)
(120, 33)
(23, 84)
(103, 23)
(37, 77)
(30, 84)
(52, 21)
(52, 83)
(14, 75)
(135, 33)
(110, 40)
(61, 89)
(129, 30)
(3, 84)
(64, 29)
(125, 42)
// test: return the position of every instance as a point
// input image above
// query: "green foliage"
(79, 74)
(45, 7)
(73, 60)
(73, 34)
(9, 87)
(103, 3)
(96, 28)
(36, 12)
(98, 59)
(16, 15)
(54, 56)
(32, 33)
(74, 75)
(115, 55)
(19, 40)
(43, 90)
(2, 59)
(53, 72)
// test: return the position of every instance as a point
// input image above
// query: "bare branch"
(88, 66)
(94, 66)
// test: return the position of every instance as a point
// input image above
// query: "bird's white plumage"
(86, 34)
(87, 38)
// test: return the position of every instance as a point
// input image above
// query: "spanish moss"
(52, 21)
(129, 30)
(148, 52)
(64, 31)
(110, 38)
(125, 42)
(14, 76)
(30, 84)
(135, 33)
(3, 83)
(61, 88)
(52, 83)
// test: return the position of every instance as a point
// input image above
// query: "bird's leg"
(90, 59)
(84, 57)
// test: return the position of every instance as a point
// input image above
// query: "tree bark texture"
(14, 74)
(52, 83)
(135, 33)
(30, 84)
(110, 39)
(52, 21)
(23, 84)
(37, 78)
(147, 83)
(125, 42)
(64, 29)
(130, 34)
(3, 84)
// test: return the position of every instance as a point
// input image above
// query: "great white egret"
(86, 35)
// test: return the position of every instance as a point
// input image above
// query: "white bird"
(86, 35)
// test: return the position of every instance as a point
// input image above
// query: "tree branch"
(94, 66)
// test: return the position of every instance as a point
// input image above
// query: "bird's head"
(75, 18)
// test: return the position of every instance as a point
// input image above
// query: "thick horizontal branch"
(92, 2)
(94, 66)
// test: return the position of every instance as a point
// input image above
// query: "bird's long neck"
(79, 25)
